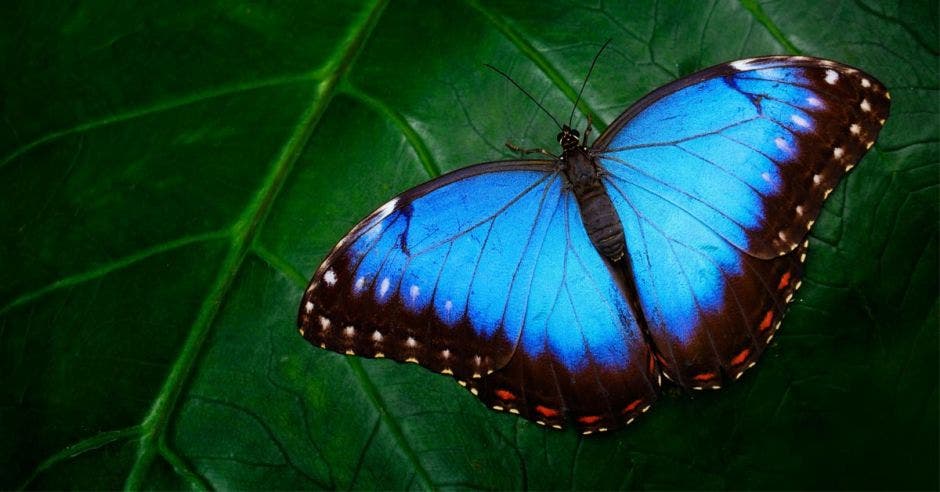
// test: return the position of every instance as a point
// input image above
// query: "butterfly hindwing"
(710, 308)
(717, 178)
(582, 357)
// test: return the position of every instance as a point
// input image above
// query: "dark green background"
(171, 174)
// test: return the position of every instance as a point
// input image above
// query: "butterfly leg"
(587, 131)
(516, 148)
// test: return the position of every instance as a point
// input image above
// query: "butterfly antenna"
(584, 84)
(491, 67)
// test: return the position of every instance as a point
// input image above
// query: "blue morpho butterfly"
(564, 290)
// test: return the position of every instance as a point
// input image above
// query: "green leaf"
(171, 174)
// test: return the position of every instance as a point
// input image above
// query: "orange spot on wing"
(784, 281)
(505, 395)
(589, 419)
(767, 320)
(545, 411)
(741, 357)
(632, 406)
(705, 376)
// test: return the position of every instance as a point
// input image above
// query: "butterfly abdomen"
(601, 221)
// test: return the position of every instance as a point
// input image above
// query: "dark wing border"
(719, 70)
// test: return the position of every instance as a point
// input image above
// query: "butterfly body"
(566, 290)
(583, 176)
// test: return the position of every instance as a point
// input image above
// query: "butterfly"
(567, 290)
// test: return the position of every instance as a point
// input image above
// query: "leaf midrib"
(244, 231)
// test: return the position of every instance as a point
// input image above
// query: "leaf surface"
(172, 173)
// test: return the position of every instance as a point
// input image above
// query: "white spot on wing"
(411, 342)
(865, 83)
(831, 76)
(766, 177)
(349, 331)
(309, 306)
(741, 65)
(855, 129)
(782, 144)
(838, 152)
(330, 277)
(814, 102)
(799, 210)
(799, 120)
(360, 283)
(386, 209)
(384, 288)
(414, 292)
(377, 336)
(380, 215)
(865, 106)
(817, 179)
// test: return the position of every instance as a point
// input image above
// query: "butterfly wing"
(717, 178)
(487, 274)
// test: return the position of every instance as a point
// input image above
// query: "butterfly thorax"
(583, 175)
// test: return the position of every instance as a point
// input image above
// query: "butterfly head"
(568, 137)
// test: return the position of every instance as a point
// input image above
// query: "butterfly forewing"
(424, 278)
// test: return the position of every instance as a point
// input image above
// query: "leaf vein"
(154, 108)
(117, 264)
(245, 229)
